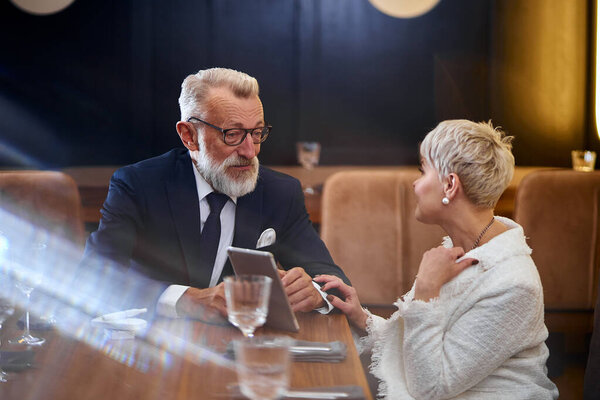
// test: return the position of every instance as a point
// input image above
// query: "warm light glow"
(404, 8)
(42, 7)
(597, 70)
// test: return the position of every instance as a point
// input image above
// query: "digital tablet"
(255, 262)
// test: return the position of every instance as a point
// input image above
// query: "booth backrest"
(369, 227)
(48, 199)
(559, 212)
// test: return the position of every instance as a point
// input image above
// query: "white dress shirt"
(168, 299)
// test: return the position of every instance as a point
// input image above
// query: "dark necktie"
(211, 234)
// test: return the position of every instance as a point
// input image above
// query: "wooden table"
(65, 368)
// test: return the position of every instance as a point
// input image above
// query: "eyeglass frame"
(246, 131)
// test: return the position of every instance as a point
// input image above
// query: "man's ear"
(187, 134)
(452, 185)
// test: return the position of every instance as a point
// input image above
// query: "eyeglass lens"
(237, 136)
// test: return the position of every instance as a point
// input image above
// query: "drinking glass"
(308, 154)
(583, 160)
(27, 279)
(247, 298)
(263, 366)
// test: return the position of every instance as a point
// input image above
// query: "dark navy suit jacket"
(151, 222)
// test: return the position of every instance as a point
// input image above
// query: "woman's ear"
(187, 134)
(451, 185)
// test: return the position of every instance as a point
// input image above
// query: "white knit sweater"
(482, 338)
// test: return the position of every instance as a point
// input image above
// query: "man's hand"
(300, 290)
(204, 304)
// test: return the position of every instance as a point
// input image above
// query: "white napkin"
(120, 325)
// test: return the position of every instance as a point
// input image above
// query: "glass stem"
(27, 315)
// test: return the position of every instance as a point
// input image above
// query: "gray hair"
(477, 152)
(195, 88)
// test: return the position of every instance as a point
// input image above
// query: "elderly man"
(160, 214)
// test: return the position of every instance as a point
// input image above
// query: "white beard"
(217, 175)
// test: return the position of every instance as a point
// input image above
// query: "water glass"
(308, 154)
(247, 298)
(263, 366)
(583, 160)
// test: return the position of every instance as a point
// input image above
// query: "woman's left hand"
(439, 266)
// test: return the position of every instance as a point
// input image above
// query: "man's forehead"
(224, 104)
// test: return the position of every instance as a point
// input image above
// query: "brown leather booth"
(559, 211)
(368, 224)
(48, 199)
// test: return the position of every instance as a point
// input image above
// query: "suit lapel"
(185, 208)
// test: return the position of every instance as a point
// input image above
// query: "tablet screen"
(255, 262)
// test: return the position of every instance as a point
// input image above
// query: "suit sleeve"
(300, 245)
(104, 273)
(121, 219)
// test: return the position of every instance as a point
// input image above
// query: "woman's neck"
(472, 229)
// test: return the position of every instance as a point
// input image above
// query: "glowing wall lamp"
(404, 8)
(42, 7)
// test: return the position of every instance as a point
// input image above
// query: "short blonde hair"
(477, 152)
(195, 88)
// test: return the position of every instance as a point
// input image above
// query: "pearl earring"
(445, 201)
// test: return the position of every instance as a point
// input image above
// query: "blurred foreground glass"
(263, 366)
(28, 279)
(583, 160)
(247, 298)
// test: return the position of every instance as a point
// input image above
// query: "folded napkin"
(349, 392)
(120, 325)
(305, 351)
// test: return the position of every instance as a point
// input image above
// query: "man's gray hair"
(195, 88)
(477, 152)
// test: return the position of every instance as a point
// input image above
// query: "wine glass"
(27, 279)
(247, 298)
(263, 366)
(308, 154)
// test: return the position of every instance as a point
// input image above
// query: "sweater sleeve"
(442, 361)
(375, 326)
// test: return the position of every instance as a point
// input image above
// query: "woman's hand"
(439, 266)
(350, 305)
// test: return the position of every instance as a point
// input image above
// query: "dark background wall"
(98, 83)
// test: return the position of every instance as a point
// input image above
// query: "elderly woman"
(472, 326)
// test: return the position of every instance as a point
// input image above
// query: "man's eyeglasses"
(235, 136)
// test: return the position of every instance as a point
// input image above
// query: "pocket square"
(266, 238)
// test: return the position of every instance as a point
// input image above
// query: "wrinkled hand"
(203, 304)
(301, 292)
(350, 305)
(439, 266)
